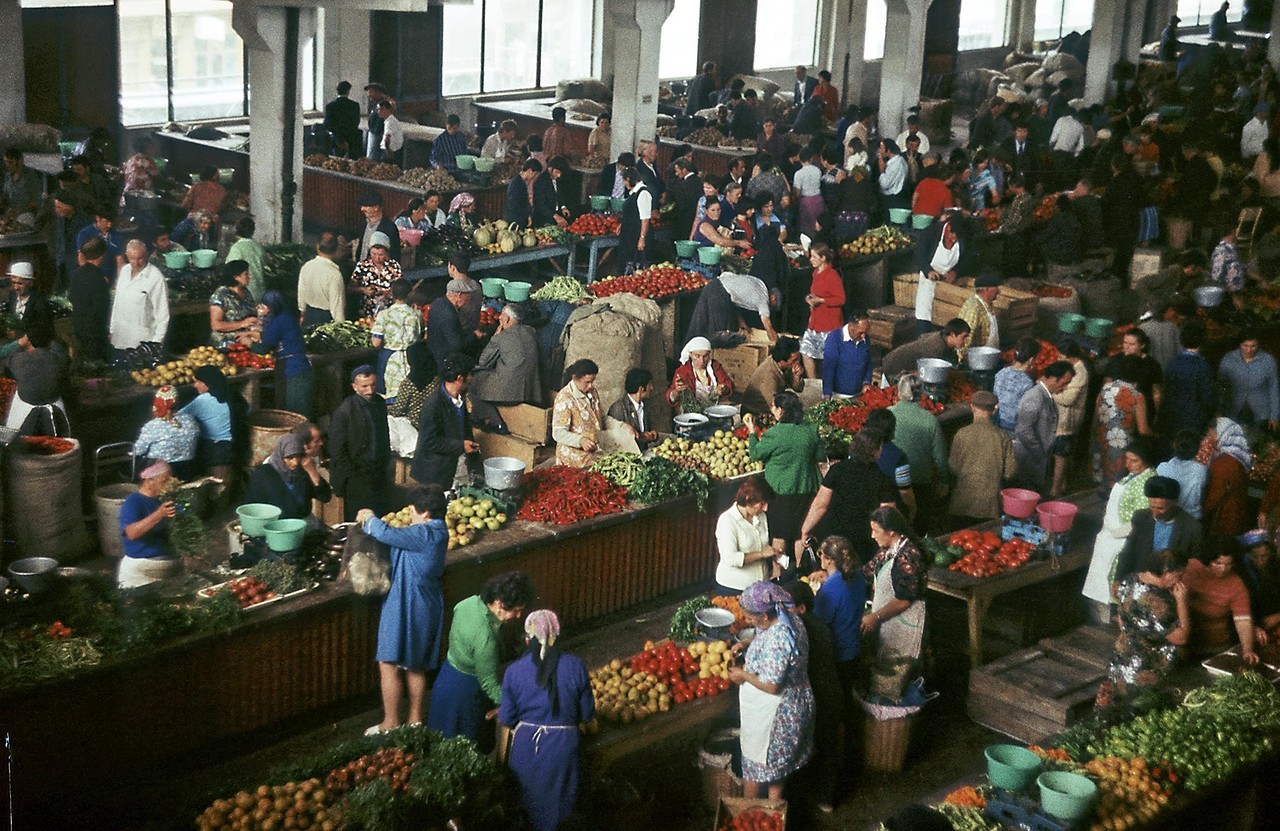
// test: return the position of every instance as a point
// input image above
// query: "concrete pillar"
(345, 48)
(13, 79)
(1106, 46)
(1273, 43)
(856, 40)
(903, 66)
(1022, 23)
(275, 165)
(637, 35)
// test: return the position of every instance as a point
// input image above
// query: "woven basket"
(904, 289)
(885, 743)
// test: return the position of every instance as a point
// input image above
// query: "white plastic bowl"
(713, 618)
(723, 411)
(1208, 297)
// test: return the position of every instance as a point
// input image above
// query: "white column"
(270, 121)
(637, 33)
(346, 51)
(13, 78)
(856, 27)
(1022, 21)
(1106, 46)
(903, 66)
(1273, 43)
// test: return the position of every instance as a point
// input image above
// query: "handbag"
(366, 563)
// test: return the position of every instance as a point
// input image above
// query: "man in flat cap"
(1161, 526)
(376, 221)
(981, 461)
(446, 336)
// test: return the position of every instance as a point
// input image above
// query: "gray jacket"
(507, 370)
(1034, 433)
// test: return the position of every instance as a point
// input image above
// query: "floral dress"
(780, 655)
(1143, 654)
(1115, 426)
(234, 307)
(139, 172)
(367, 274)
(398, 326)
(579, 414)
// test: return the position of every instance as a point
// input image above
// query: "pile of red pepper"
(47, 445)
(1050, 290)
(986, 555)
(564, 495)
(240, 355)
(753, 819)
(59, 630)
(8, 388)
(850, 418)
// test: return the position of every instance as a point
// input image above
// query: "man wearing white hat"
(27, 306)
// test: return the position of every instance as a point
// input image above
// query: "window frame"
(482, 9)
(811, 60)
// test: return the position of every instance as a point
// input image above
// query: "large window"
(678, 52)
(499, 45)
(877, 18)
(1198, 12)
(1055, 18)
(983, 23)
(188, 64)
(786, 31)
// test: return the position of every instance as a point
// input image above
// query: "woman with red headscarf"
(171, 436)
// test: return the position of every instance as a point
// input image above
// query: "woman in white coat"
(1127, 498)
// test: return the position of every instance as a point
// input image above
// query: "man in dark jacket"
(519, 206)
(684, 192)
(507, 371)
(342, 121)
(1179, 531)
(702, 89)
(550, 201)
(744, 125)
(445, 335)
(611, 182)
(444, 431)
(942, 344)
(360, 447)
(370, 204)
(90, 297)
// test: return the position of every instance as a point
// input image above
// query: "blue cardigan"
(846, 364)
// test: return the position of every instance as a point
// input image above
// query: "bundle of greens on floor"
(408, 778)
(187, 533)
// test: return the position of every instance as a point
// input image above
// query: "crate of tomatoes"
(737, 813)
(986, 555)
(240, 355)
(650, 283)
(595, 225)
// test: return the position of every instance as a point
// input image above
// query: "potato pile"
(722, 456)
(626, 696)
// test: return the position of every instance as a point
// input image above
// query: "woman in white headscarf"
(546, 694)
(700, 381)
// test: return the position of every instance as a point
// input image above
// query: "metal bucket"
(108, 500)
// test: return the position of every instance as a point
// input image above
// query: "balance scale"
(1047, 543)
(983, 379)
(937, 392)
(1024, 814)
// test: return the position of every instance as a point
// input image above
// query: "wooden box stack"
(1015, 309)
(525, 421)
(904, 289)
(892, 326)
(742, 360)
(531, 453)
(1034, 693)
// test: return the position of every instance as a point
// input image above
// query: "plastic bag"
(367, 564)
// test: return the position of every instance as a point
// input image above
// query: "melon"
(500, 224)
(508, 244)
(482, 236)
(530, 239)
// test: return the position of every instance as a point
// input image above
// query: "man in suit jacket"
(684, 192)
(519, 206)
(744, 124)
(804, 86)
(702, 90)
(342, 122)
(1035, 432)
(444, 429)
(631, 409)
(647, 167)
(360, 447)
(446, 336)
(370, 204)
(507, 372)
(1140, 553)
(611, 182)
(1022, 156)
(550, 202)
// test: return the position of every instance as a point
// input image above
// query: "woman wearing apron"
(634, 231)
(896, 576)
(774, 696)
(938, 258)
(144, 518)
(546, 694)
(1127, 498)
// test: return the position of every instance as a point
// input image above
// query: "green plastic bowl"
(254, 515)
(484, 165)
(226, 174)
(204, 257)
(177, 259)
(517, 292)
(465, 162)
(899, 216)
(617, 203)
(1066, 796)
(284, 534)
(709, 255)
(686, 248)
(1069, 323)
(921, 221)
(492, 286)
(1011, 767)
(1098, 327)
(600, 203)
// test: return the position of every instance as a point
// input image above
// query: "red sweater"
(828, 285)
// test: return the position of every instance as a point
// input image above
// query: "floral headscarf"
(542, 628)
(1225, 437)
(543, 625)
(462, 200)
(164, 402)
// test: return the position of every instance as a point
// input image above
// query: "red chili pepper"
(564, 495)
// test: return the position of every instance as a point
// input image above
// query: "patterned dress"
(139, 172)
(780, 655)
(1143, 654)
(398, 326)
(234, 307)
(367, 274)
(574, 412)
(1115, 426)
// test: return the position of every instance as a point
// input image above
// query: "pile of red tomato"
(651, 283)
(239, 355)
(851, 418)
(595, 225)
(986, 555)
(488, 316)
(1048, 354)
(753, 819)
(678, 669)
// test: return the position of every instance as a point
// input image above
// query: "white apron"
(19, 410)
(941, 262)
(901, 636)
(1106, 548)
(141, 571)
(757, 710)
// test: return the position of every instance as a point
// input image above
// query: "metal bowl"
(933, 370)
(714, 622)
(35, 574)
(1208, 297)
(503, 472)
(983, 358)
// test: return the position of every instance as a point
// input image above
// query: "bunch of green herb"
(661, 479)
(281, 578)
(684, 623)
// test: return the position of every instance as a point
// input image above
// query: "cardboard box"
(731, 806)
(528, 452)
(528, 422)
(741, 361)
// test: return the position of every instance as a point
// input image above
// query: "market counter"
(329, 199)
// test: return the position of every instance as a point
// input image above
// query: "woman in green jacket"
(791, 451)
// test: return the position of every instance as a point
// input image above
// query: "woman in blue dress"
(546, 694)
(282, 336)
(413, 613)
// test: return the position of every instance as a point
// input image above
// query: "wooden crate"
(400, 470)
(1034, 693)
(528, 422)
(491, 444)
(741, 361)
(892, 326)
(1015, 309)
(731, 806)
(1146, 262)
(904, 289)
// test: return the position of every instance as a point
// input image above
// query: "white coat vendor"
(144, 519)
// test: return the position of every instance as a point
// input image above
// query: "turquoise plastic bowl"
(517, 292)
(899, 216)
(617, 203)
(921, 221)
(1066, 796)
(709, 255)
(1098, 327)
(600, 203)
(686, 248)
(1011, 767)
(254, 515)
(284, 534)
(1069, 323)
(204, 257)
(465, 162)
(492, 286)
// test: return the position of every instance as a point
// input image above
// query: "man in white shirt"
(1067, 135)
(893, 175)
(631, 409)
(1254, 133)
(500, 144)
(913, 129)
(321, 294)
(140, 310)
(392, 133)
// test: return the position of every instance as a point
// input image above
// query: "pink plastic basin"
(1056, 517)
(1018, 502)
